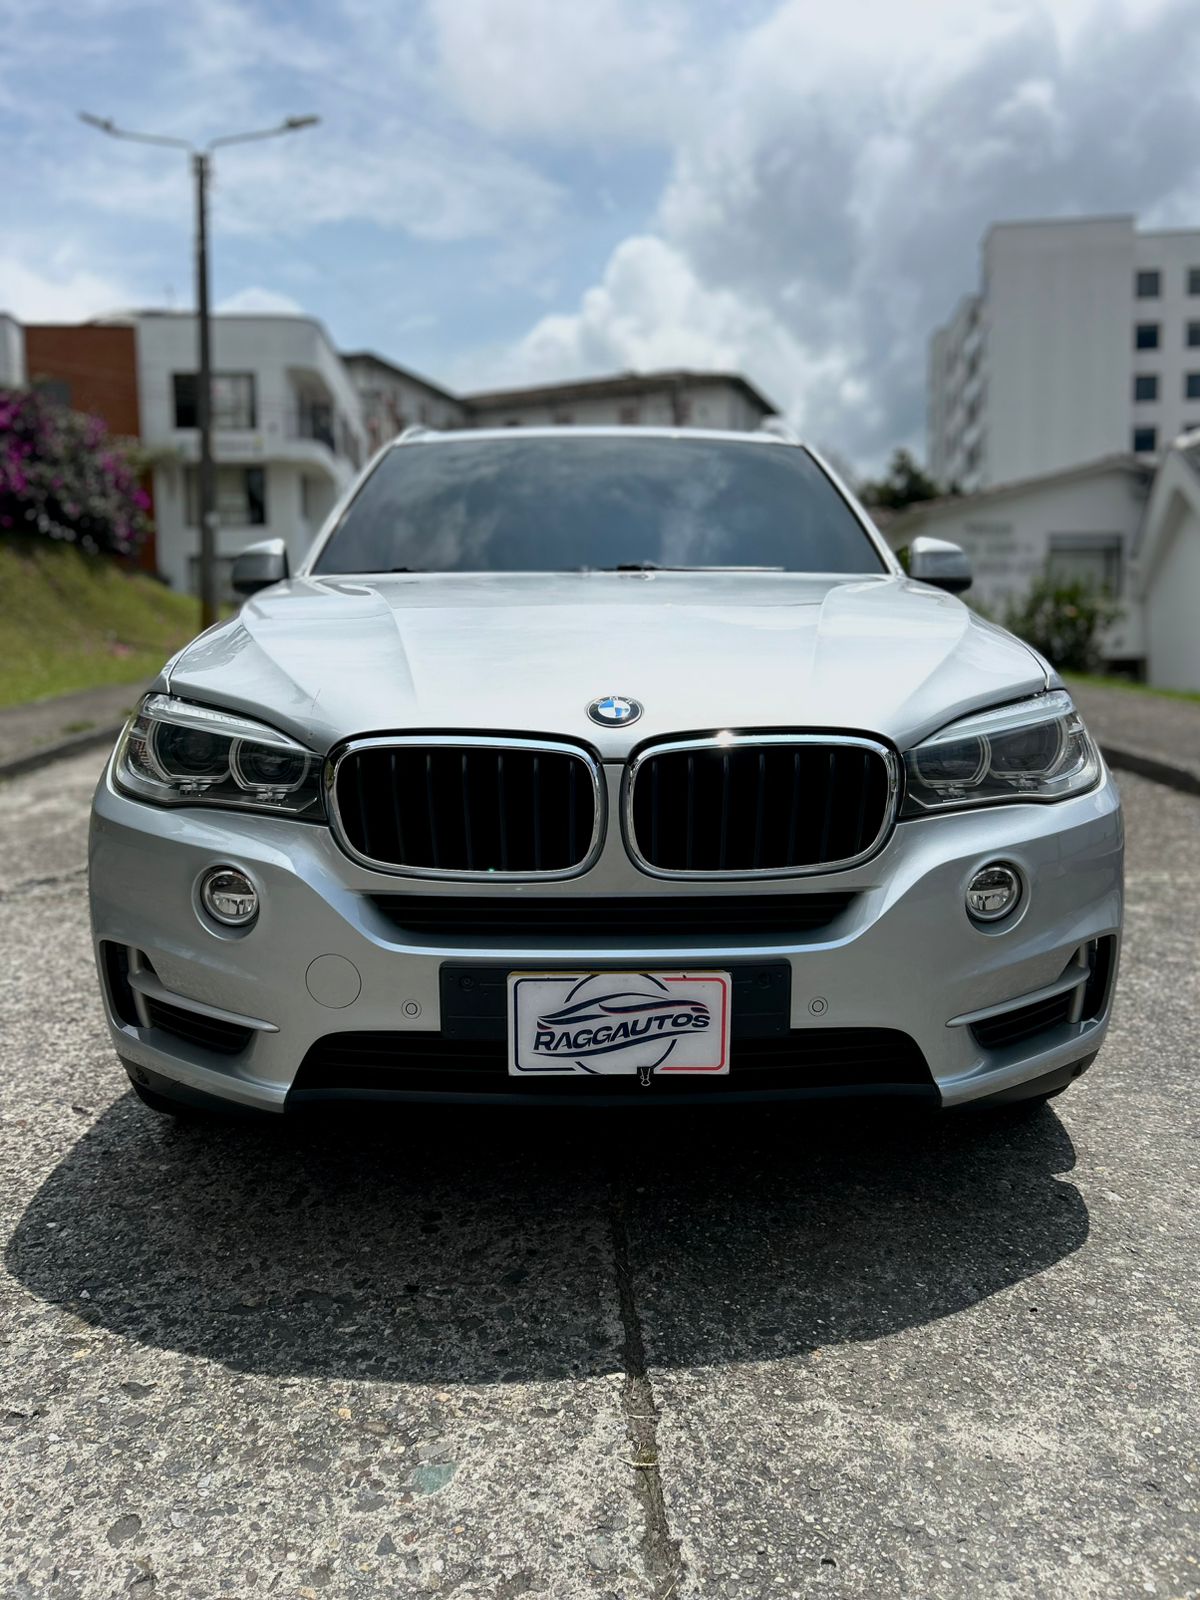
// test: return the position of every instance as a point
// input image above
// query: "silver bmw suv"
(610, 766)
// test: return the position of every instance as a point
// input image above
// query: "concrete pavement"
(734, 1357)
(1152, 734)
(66, 724)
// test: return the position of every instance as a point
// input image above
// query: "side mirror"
(259, 566)
(940, 563)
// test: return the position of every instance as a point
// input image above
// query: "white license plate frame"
(605, 1023)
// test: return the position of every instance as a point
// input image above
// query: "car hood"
(323, 659)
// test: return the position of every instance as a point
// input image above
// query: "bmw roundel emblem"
(614, 710)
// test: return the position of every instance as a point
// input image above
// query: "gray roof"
(398, 371)
(623, 383)
(1118, 462)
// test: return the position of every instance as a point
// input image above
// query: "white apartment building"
(679, 399)
(287, 432)
(1083, 341)
(392, 398)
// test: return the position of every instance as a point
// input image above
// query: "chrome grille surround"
(498, 745)
(768, 741)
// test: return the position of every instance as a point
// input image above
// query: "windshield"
(569, 504)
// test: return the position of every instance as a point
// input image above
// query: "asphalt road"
(706, 1356)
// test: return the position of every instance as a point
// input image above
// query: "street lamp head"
(105, 124)
(292, 123)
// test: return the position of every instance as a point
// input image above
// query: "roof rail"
(779, 428)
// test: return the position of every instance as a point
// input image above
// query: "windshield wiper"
(658, 566)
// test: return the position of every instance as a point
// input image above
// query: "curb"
(76, 745)
(1184, 779)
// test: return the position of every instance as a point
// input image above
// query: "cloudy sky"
(505, 190)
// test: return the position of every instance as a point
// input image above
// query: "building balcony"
(291, 440)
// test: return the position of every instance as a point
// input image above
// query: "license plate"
(610, 1024)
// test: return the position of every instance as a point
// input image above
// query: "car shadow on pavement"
(423, 1245)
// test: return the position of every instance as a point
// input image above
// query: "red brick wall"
(97, 364)
(97, 367)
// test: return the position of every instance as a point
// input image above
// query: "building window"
(1193, 280)
(1147, 284)
(234, 406)
(1191, 386)
(55, 391)
(1145, 440)
(316, 421)
(627, 416)
(1193, 335)
(1090, 559)
(1145, 336)
(1145, 386)
(241, 497)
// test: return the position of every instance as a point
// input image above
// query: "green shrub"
(1063, 621)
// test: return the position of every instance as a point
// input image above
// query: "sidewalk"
(89, 717)
(1146, 733)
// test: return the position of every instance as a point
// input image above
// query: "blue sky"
(507, 190)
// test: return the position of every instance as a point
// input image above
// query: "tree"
(906, 483)
(63, 476)
(1063, 621)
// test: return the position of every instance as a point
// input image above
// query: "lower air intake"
(821, 1060)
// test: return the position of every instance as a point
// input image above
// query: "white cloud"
(264, 300)
(588, 69)
(652, 311)
(825, 213)
(387, 152)
(62, 292)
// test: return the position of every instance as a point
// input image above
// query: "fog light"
(229, 897)
(993, 892)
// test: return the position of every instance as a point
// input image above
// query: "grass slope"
(1127, 685)
(71, 621)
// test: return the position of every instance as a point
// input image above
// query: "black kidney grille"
(467, 809)
(759, 808)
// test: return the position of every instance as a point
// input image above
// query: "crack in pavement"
(664, 1562)
(54, 881)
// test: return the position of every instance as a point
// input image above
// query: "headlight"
(1038, 750)
(179, 754)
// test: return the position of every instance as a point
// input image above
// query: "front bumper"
(322, 959)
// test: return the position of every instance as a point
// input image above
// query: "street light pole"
(206, 472)
(201, 162)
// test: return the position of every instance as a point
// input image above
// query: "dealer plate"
(608, 1024)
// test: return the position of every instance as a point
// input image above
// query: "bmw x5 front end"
(585, 768)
